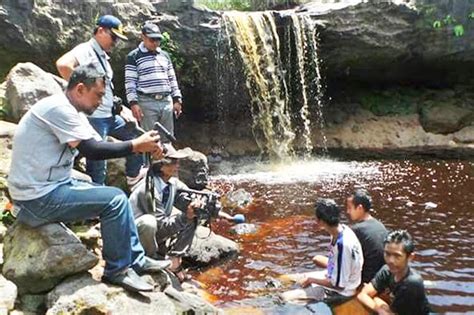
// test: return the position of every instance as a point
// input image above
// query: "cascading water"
(283, 80)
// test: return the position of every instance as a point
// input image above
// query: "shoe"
(132, 181)
(153, 265)
(129, 280)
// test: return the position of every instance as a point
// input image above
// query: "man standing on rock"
(46, 141)
(105, 121)
(150, 82)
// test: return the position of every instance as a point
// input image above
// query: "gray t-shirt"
(41, 159)
(89, 53)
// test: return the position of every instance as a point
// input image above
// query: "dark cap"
(151, 30)
(112, 23)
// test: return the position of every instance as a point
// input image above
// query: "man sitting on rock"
(343, 265)
(46, 141)
(397, 280)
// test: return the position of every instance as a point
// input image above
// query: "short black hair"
(361, 197)
(401, 236)
(327, 211)
(86, 74)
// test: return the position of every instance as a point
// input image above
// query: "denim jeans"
(113, 126)
(79, 200)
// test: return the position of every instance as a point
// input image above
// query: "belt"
(156, 96)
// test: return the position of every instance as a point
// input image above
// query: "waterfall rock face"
(367, 43)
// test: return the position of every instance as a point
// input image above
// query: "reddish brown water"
(433, 200)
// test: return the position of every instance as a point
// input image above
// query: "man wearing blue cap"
(150, 82)
(108, 31)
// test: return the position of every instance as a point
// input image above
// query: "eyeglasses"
(113, 36)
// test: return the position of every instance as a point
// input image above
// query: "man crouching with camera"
(163, 229)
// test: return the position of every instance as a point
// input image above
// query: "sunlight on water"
(296, 171)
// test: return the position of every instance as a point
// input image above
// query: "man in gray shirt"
(47, 138)
(95, 51)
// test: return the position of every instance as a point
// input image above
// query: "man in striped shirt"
(150, 82)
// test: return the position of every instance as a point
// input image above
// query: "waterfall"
(281, 70)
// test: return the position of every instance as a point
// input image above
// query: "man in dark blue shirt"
(403, 285)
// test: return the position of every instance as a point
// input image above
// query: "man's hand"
(178, 108)
(127, 115)
(137, 112)
(193, 205)
(307, 282)
(148, 142)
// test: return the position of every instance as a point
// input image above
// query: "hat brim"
(177, 155)
(155, 36)
(118, 34)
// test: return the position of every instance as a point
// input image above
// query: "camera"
(117, 106)
(212, 205)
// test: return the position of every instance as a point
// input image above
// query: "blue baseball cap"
(114, 24)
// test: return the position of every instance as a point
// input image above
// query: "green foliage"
(172, 48)
(437, 24)
(386, 103)
(458, 30)
(7, 218)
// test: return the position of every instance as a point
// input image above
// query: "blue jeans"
(114, 126)
(79, 200)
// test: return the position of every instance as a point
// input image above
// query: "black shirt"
(371, 234)
(407, 296)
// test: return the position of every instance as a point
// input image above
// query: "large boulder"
(444, 119)
(81, 294)
(209, 248)
(38, 259)
(27, 84)
(194, 170)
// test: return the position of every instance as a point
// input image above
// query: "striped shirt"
(149, 72)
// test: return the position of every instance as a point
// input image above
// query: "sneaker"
(152, 266)
(129, 280)
(132, 181)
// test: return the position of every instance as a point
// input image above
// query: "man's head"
(85, 88)
(108, 31)
(327, 213)
(168, 166)
(358, 204)
(398, 250)
(151, 36)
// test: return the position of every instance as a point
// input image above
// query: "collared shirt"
(149, 72)
(89, 53)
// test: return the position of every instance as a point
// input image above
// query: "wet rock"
(26, 84)
(237, 199)
(186, 302)
(194, 170)
(8, 294)
(209, 248)
(81, 294)
(244, 228)
(444, 119)
(38, 259)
